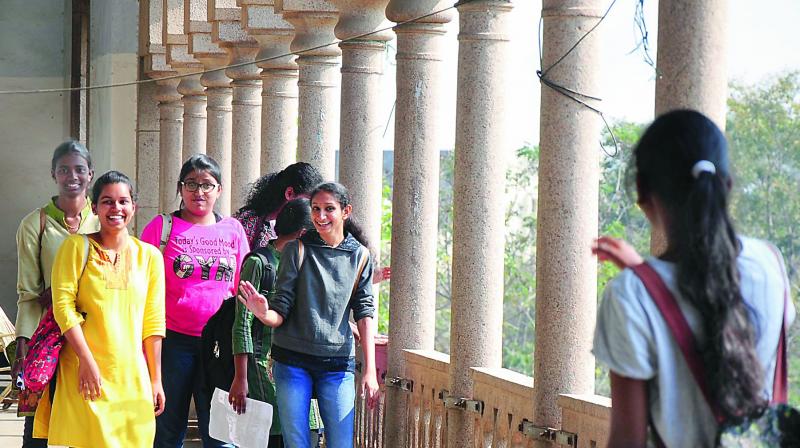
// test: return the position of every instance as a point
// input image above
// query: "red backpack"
(41, 361)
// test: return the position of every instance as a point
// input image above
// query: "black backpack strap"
(266, 284)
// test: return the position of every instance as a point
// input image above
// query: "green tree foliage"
(763, 129)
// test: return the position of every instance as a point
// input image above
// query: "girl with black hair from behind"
(322, 278)
(268, 196)
(729, 288)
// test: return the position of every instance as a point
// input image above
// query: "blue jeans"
(336, 394)
(182, 378)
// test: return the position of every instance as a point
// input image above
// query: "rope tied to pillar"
(574, 95)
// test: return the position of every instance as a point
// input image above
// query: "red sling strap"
(679, 328)
(780, 385)
(684, 337)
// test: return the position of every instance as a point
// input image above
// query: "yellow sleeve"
(67, 270)
(30, 283)
(155, 323)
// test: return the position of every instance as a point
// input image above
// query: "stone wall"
(35, 49)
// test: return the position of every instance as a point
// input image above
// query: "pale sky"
(762, 44)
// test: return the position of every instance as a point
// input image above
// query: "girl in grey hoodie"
(322, 278)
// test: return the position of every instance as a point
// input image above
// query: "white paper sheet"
(248, 430)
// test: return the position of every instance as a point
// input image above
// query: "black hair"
(295, 215)
(70, 147)
(268, 193)
(340, 193)
(703, 243)
(108, 178)
(199, 162)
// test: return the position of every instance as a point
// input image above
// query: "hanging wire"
(241, 64)
(572, 94)
(644, 36)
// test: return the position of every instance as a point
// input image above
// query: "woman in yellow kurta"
(111, 311)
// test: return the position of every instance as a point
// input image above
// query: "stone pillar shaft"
(692, 65)
(360, 154)
(318, 112)
(147, 155)
(219, 132)
(415, 199)
(279, 119)
(476, 325)
(246, 143)
(318, 83)
(170, 111)
(194, 115)
(566, 272)
(692, 57)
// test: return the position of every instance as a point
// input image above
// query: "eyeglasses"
(194, 186)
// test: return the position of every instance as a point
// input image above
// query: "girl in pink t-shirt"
(202, 257)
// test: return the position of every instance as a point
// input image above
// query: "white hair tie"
(703, 166)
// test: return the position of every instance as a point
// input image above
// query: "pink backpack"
(41, 360)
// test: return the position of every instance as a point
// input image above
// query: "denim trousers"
(182, 378)
(335, 392)
(27, 436)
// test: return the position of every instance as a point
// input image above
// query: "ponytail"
(682, 160)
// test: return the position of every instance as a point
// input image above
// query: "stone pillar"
(228, 32)
(415, 198)
(193, 95)
(362, 113)
(692, 57)
(147, 155)
(318, 83)
(566, 272)
(112, 56)
(219, 95)
(170, 110)
(692, 65)
(476, 323)
(246, 144)
(219, 131)
(279, 83)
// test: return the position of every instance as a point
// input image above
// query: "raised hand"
(381, 274)
(617, 251)
(253, 300)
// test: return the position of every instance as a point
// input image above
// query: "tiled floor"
(10, 428)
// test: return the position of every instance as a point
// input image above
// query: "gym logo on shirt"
(207, 253)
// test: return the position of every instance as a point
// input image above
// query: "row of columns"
(251, 103)
(257, 119)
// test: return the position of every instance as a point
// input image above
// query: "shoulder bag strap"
(166, 230)
(679, 328)
(362, 263)
(300, 255)
(42, 221)
(780, 387)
